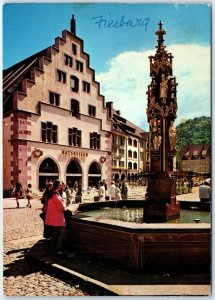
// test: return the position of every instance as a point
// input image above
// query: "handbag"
(43, 216)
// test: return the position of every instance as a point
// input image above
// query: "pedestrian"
(78, 196)
(18, 192)
(48, 230)
(105, 184)
(118, 192)
(63, 193)
(75, 187)
(55, 218)
(124, 190)
(112, 190)
(101, 191)
(29, 195)
(204, 192)
(67, 190)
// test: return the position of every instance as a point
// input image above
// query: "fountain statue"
(161, 202)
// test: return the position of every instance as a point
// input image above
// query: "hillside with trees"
(194, 131)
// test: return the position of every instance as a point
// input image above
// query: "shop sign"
(73, 153)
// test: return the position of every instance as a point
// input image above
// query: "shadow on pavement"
(110, 274)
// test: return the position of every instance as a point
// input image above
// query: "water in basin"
(136, 215)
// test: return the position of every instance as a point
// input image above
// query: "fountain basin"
(159, 247)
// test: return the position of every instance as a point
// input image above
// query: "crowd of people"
(116, 191)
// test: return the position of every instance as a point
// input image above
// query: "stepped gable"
(17, 77)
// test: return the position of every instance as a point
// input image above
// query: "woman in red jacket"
(55, 218)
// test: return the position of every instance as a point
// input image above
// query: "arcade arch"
(48, 171)
(94, 174)
(73, 173)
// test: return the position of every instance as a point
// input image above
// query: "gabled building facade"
(55, 122)
(195, 158)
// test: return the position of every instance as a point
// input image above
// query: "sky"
(119, 37)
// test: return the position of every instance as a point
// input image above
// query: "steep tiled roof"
(13, 76)
(127, 127)
(195, 151)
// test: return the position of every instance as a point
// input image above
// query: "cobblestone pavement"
(22, 228)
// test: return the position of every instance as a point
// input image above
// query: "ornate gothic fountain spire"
(162, 61)
(161, 114)
(162, 107)
(160, 33)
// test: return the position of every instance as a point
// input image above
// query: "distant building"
(195, 158)
(130, 153)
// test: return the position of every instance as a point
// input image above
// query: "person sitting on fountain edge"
(204, 192)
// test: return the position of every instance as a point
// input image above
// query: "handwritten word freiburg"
(103, 23)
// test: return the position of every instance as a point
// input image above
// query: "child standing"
(29, 194)
(18, 193)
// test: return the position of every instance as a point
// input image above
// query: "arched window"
(135, 143)
(94, 175)
(73, 173)
(135, 154)
(129, 153)
(129, 141)
(73, 168)
(94, 168)
(48, 171)
(74, 82)
(130, 165)
(75, 108)
(135, 166)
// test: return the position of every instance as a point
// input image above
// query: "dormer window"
(195, 154)
(186, 155)
(204, 153)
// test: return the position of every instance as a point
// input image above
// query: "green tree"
(194, 131)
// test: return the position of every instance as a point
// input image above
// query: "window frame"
(61, 76)
(54, 98)
(74, 137)
(49, 132)
(91, 110)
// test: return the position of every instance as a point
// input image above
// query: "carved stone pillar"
(161, 204)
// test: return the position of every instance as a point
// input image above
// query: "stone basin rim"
(140, 226)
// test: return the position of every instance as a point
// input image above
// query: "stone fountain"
(154, 245)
